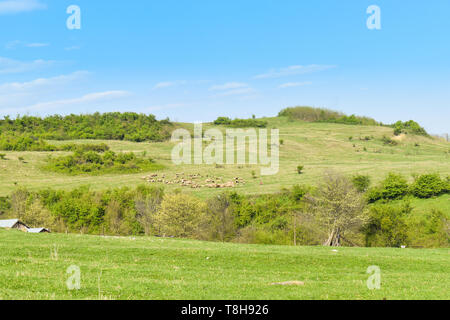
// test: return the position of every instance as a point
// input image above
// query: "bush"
(91, 162)
(409, 127)
(361, 182)
(429, 230)
(311, 114)
(180, 216)
(386, 226)
(394, 186)
(388, 141)
(428, 185)
(241, 123)
(300, 169)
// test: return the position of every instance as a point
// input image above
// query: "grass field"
(156, 268)
(317, 146)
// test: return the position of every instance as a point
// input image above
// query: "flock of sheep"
(194, 181)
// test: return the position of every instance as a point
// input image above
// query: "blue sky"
(196, 60)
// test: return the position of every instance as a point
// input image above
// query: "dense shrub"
(91, 162)
(361, 182)
(24, 142)
(311, 114)
(108, 126)
(394, 186)
(408, 127)
(387, 226)
(428, 185)
(429, 230)
(180, 215)
(241, 123)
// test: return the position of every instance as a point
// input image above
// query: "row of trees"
(333, 213)
(108, 126)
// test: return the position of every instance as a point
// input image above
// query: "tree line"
(334, 212)
(128, 126)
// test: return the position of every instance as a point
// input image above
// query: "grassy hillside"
(156, 268)
(317, 146)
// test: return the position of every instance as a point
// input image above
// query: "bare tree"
(338, 206)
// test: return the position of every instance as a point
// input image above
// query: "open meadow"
(34, 267)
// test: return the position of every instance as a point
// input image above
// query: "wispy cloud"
(16, 43)
(293, 70)
(37, 84)
(167, 84)
(228, 86)
(37, 45)
(72, 48)
(294, 84)
(57, 104)
(235, 92)
(18, 6)
(14, 66)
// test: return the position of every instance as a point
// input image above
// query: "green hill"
(318, 146)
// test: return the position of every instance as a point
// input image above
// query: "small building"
(38, 230)
(13, 224)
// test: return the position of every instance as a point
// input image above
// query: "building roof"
(37, 230)
(8, 223)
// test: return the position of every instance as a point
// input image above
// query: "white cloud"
(293, 70)
(12, 87)
(14, 66)
(228, 86)
(17, 6)
(294, 84)
(86, 99)
(236, 92)
(72, 48)
(16, 43)
(37, 45)
(167, 84)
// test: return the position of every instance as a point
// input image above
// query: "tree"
(180, 216)
(146, 208)
(19, 203)
(338, 206)
(219, 221)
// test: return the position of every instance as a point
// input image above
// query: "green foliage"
(23, 142)
(428, 185)
(408, 127)
(91, 162)
(361, 182)
(241, 123)
(180, 216)
(387, 226)
(389, 141)
(2, 156)
(394, 186)
(429, 230)
(28, 142)
(108, 126)
(102, 147)
(311, 114)
(300, 169)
